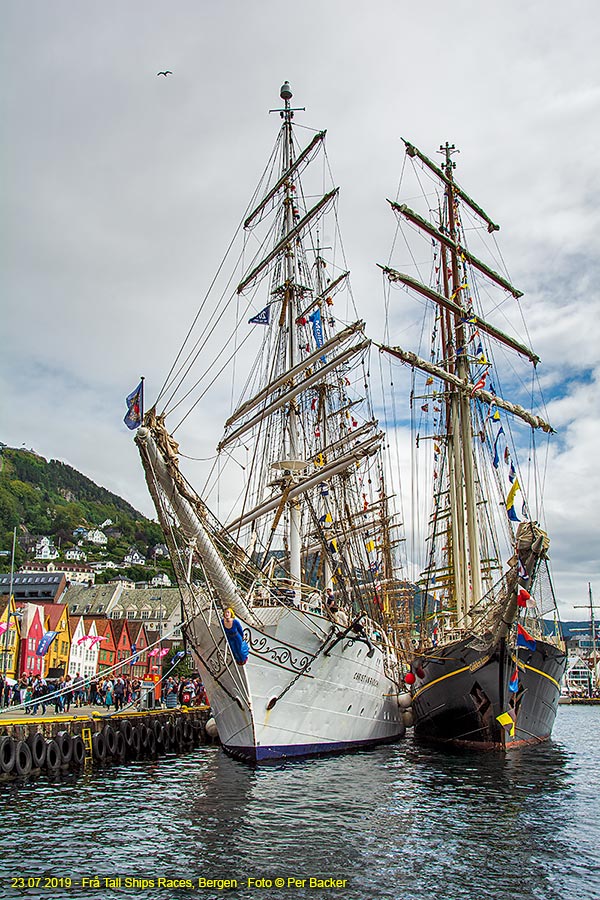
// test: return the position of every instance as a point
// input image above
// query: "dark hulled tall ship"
(488, 658)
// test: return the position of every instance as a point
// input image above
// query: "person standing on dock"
(78, 690)
(119, 693)
(68, 693)
(108, 693)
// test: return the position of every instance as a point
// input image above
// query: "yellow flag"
(512, 493)
(370, 545)
(506, 719)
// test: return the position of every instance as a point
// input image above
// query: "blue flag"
(496, 454)
(317, 327)
(45, 641)
(261, 318)
(135, 407)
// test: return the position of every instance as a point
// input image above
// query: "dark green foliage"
(53, 499)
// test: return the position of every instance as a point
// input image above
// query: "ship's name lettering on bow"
(366, 679)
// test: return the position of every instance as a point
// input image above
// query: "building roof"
(54, 612)
(90, 600)
(44, 586)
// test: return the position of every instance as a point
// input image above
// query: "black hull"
(463, 690)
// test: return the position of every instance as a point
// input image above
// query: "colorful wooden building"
(10, 640)
(108, 651)
(56, 618)
(32, 631)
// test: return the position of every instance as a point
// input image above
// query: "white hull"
(340, 701)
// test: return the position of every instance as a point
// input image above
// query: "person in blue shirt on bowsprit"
(235, 637)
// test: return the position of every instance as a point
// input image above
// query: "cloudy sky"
(122, 189)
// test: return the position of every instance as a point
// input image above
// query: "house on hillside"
(161, 551)
(95, 536)
(45, 549)
(160, 580)
(123, 582)
(134, 558)
(75, 554)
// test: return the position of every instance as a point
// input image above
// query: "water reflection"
(401, 822)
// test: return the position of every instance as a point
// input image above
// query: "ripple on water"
(404, 822)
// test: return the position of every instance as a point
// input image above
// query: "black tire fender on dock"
(171, 731)
(151, 743)
(162, 739)
(126, 730)
(64, 741)
(109, 736)
(23, 761)
(37, 745)
(7, 754)
(187, 730)
(157, 726)
(78, 746)
(99, 746)
(53, 756)
(179, 732)
(143, 736)
(120, 745)
(134, 746)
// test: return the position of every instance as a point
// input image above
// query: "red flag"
(480, 384)
(522, 597)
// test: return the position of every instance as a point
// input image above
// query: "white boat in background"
(307, 458)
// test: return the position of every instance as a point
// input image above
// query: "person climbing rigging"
(235, 637)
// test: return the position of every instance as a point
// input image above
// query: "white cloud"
(122, 191)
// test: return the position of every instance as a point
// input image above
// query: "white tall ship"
(303, 456)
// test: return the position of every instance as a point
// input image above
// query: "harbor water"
(403, 822)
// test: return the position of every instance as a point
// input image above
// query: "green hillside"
(42, 497)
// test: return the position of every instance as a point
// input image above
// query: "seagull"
(165, 73)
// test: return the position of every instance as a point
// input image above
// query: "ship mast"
(295, 543)
(469, 588)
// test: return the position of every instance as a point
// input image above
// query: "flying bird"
(165, 73)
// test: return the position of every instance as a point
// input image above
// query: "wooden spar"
(286, 175)
(346, 439)
(413, 360)
(455, 308)
(287, 239)
(293, 391)
(330, 288)
(340, 338)
(456, 248)
(413, 151)
(334, 468)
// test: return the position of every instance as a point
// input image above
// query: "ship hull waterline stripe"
(260, 754)
(465, 668)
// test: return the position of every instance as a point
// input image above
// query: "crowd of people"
(112, 693)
